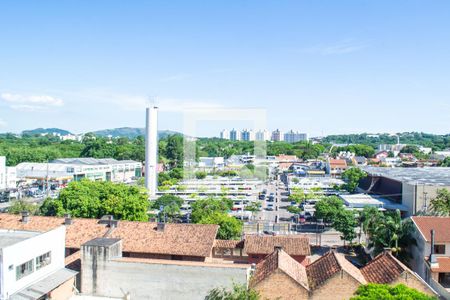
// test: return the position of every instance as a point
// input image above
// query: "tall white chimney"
(151, 150)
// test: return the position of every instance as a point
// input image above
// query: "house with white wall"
(32, 265)
(432, 253)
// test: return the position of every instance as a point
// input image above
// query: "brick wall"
(339, 287)
(412, 281)
(280, 286)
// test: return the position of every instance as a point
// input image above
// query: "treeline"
(435, 141)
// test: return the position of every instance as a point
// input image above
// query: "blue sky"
(315, 66)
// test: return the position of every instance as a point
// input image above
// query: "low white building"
(211, 162)
(32, 265)
(68, 169)
(7, 175)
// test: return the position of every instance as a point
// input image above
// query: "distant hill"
(46, 131)
(130, 132)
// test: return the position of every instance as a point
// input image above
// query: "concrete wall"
(106, 274)
(280, 286)
(29, 249)
(413, 196)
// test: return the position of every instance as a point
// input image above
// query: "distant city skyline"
(326, 67)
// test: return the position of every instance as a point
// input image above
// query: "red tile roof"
(229, 244)
(337, 162)
(279, 259)
(331, 263)
(292, 244)
(441, 226)
(141, 237)
(383, 269)
(444, 265)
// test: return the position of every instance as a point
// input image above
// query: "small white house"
(32, 265)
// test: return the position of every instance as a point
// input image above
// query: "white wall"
(2, 172)
(26, 250)
(106, 274)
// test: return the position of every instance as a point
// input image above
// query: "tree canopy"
(441, 203)
(238, 292)
(352, 177)
(93, 199)
(374, 291)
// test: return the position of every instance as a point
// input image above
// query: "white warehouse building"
(68, 169)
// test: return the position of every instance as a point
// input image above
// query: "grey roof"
(11, 237)
(421, 176)
(42, 287)
(102, 242)
(90, 161)
(360, 159)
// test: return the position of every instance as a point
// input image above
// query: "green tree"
(208, 206)
(174, 150)
(328, 207)
(441, 203)
(200, 174)
(91, 199)
(171, 205)
(352, 178)
(344, 222)
(374, 291)
(229, 227)
(238, 292)
(445, 162)
(18, 206)
(297, 195)
(294, 209)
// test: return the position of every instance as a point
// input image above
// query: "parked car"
(269, 206)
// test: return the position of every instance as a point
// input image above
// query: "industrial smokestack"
(151, 150)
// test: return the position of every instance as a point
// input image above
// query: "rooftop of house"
(229, 244)
(443, 265)
(329, 264)
(140, 237)
(11, 237)
(279, 259)
(338, 162)
(293, 244)
(383, 269)
(427, 175)
(441, 226)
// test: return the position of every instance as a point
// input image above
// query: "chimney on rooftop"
(67, 219)
(25, 216)
(278, 248)
(432, 259)
(160, 226)
(387, 250)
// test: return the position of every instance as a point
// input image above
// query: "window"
(24, 269)
(43, 260)
(439, 249)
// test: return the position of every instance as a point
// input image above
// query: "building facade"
(235, 135)
(28, 259)
(247, 135)
(262, 135)
(277, 136)
(294, 137)
(225, 134)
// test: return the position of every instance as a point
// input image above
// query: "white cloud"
(30, 102)
(341, 47)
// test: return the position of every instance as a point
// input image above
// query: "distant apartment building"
(32, 265)
(247, 135)
(295, 136)
(277, 136)
(235, 135)
(225, 134)
(262, 135)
